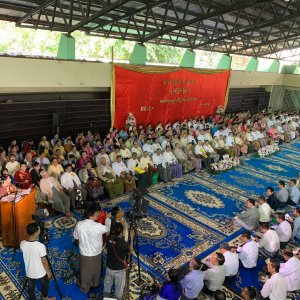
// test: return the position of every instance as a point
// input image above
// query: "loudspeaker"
(57, 119)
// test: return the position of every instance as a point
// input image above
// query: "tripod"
(53, 276)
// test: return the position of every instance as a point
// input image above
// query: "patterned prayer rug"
(186, 218)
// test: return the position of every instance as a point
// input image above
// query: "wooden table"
(16, 217)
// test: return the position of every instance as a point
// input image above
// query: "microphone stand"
(13, 214)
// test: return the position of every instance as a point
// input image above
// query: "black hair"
(288, 252)
(220, 258)
(270, 188)
(293, 180)
(247, 234)
(275, 263)
(281, 182)
(174, 278)
(116, 229)
(252, 201)
(219, 295)
(23, 163)
(32, 228)
(36, 163)
(297, 209)
(265, 226)
(262, 198)
(114, 211)
(251, 292)
(281, 216)
(90, 210)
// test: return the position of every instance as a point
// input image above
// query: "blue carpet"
(187, 218)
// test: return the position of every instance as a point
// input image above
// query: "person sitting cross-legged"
(214, 277)
(282, 194)
(290, 269)
(269, 244)
(248, 251)
(294, 193)
(284, 230)
(275, 288)
(248, 219)
(192, 283)
(172, 163)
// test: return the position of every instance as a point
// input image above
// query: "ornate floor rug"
(186, 218)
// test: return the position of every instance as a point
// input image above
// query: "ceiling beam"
(132, 12)
(34, 11)
(270, 42)
(100, 13)
(224, 10)
(250, 29)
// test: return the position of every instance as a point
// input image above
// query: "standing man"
(275, 287)
(116, 265)
(36, 264)
(89, 235)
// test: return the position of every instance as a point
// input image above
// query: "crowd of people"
(87, 166)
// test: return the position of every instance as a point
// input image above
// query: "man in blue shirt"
(294, 193)
(192, 283)
(296, 229)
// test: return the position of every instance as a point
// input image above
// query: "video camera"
(139, 205)
(44, 232)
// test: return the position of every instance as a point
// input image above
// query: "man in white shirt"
(211, 151)
(172, 163)
(284, 230)
(275, 287)
(269, 244)
(248, 252)
(231, 261)
(215, 276)
(201, 153)
(71, 183)
(159, 161)
(36, 263)
(125, 152)
(13, 165)
(137, 149)
(100, 155)
(148, 147)
(119, 167)
(290, 270)
(89, 235)
(264, 210)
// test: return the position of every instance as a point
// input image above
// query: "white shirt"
(32, 255)
(275, 288)
(89, 233)
(119, 168)
(231, 263)
(131, 164)
(284, 231)
(214, 277)
(67, 180)
(148, 148)
(169, 157)
(291, 272)
(270, 241)
(158, 160)
(248, 254)
(12, 168)
(99, 156)
(264, 212)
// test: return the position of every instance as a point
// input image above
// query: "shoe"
(46, 212)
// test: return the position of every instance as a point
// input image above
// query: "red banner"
(156, 94)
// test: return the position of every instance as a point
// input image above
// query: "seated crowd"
(125, 159)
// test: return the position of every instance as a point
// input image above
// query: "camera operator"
(36, 264)
(117, 216)
(116, 265)
(89, 234)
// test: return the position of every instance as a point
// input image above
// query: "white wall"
(21, 75)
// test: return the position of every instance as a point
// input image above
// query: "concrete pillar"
(289, 69)
(252, 65)
(188, 59)
(225, 62)
(276, 98)
(274, 68)
(66, 48)
(138, 55)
